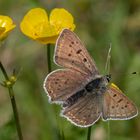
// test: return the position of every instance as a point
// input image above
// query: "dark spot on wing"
(59, 85)
(112, 107)
(69, 54)
(85, 60)
(56, 82)
(66, 81)
(72, 61)
(72, 42)
(114, 95)
(78, 51)
(120, 100)
(70, 45)
(77, 42)
(125, 106)
(122, 107)
(127, 102)
(50, 91)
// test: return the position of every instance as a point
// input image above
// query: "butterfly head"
(108, 77)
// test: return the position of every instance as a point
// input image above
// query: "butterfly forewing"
(85, 112)
(71, 53)
(117, 106)
(62, 84)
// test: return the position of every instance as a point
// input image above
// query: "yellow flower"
(115, 86)
(38, 26)
(6, 25)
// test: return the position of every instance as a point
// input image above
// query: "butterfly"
(84, 94)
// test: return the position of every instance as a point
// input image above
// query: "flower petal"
(45, 30)
(31, 20)
(2, 30)
(6, 25)
(6, 22)
(115, 86)
(35, 24)
(47, 40)
(60, 18)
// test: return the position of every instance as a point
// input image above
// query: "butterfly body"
(85, 96)
(98, 85)
(74, 98)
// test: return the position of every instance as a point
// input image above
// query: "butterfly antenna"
(107, 71)
(107, 65)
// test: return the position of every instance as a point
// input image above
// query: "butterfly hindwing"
(117, 106)
(85, 112)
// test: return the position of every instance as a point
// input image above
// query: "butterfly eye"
(108, 77)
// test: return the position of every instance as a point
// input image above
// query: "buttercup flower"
(38, 26)
(6, 25)
(115, 86)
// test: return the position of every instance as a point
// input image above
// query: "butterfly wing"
(71, 53)
(61, 84)
(117, 106)
(85, 112)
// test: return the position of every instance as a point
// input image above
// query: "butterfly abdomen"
(72, 99)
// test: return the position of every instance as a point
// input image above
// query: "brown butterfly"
(84, 94)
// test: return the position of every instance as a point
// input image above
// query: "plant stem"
(4, 72)
(49, 58)
(108, 130)
(54, 109)
(89, 133)
(13, 102)
(14, 106)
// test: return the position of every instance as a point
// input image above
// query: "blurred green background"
(98, 23)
